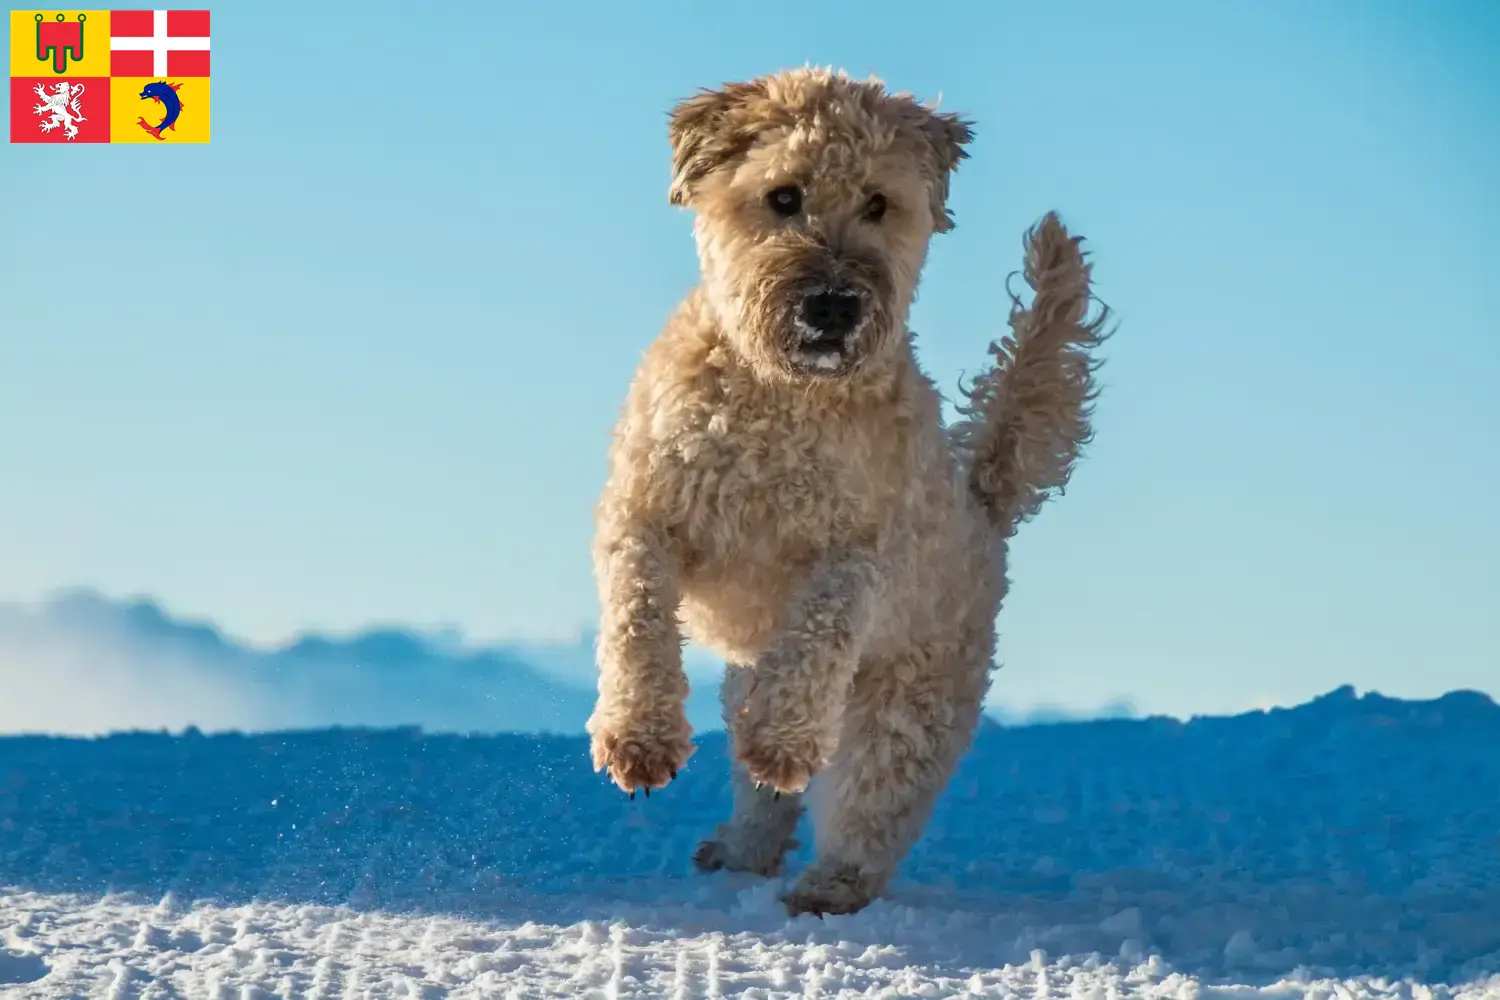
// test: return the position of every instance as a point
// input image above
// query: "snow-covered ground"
(1346, 848)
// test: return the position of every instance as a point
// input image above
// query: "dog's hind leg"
(901, 742)
(759, 832)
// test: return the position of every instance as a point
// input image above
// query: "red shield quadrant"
(56, 123)
(159, 43)
(59, 41)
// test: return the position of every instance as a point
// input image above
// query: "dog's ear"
(943, 137)
(947, 134)
(706, 131)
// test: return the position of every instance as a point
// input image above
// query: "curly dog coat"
(782, 487)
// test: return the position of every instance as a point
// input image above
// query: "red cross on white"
(158, 43)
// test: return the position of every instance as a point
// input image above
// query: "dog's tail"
(1028, 418)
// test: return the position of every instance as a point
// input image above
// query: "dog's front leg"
(639, 729)
(788, 726)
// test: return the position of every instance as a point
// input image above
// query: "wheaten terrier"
(783, 490)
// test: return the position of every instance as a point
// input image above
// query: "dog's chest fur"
(764, 481)
(779, 465)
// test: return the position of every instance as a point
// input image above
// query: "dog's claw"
(635, 760)
(632, 796)
(648, 793)
(674, 774)
(776, 796)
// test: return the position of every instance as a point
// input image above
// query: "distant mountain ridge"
(82, 663)
(120, 664)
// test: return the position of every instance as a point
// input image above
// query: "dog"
(782, 487)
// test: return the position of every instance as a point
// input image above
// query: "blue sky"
(357, 359)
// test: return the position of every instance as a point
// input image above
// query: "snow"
(1347, 848)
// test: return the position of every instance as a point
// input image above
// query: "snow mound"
(1347, 847)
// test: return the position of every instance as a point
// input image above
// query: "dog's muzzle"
(827, 322)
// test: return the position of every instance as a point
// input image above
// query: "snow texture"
(1347, 848)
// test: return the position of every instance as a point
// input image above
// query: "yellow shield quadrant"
(63, 43)
(159, 109)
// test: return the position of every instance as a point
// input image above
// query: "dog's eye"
(875, 208)
(785, 201)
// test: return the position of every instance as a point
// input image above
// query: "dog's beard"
(765, 313)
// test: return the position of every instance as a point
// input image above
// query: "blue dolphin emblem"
(164, 94)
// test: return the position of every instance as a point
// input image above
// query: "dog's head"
(816, 196)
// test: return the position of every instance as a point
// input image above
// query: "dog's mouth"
(826, 332)
(824, 354)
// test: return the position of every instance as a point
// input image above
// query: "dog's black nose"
(832, 314)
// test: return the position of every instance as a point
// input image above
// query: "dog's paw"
(640, 759)
(719, 855)
(837, 889)
(784, 763)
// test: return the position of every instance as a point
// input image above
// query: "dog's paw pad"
(785, 769)
(710, 857)
(637, 762)
(715, 855)
(838, 891)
